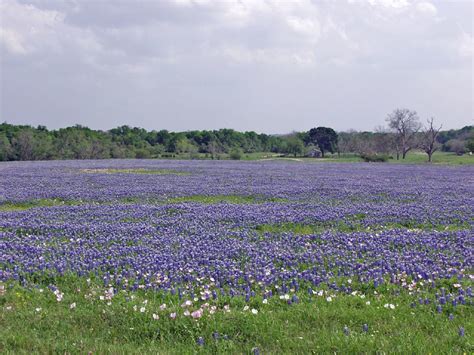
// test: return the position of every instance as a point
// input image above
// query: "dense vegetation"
(22, 142)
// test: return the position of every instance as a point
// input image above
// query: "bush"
(235, 154)
(374, 158)
(142, 154)
(167, 155)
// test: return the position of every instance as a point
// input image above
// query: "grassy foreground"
(83, 317)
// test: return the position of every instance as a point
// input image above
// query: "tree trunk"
(429, 157)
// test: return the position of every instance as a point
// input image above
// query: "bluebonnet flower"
(346, 330)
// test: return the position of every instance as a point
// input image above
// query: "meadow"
(255, 257)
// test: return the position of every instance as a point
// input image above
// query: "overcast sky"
(269, 66)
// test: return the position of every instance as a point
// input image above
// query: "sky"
(267, 66)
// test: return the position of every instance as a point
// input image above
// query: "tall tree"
(428, 139)
(295, 146)
(5, 147)
(325, 138)
(24, 144)
(405, 124)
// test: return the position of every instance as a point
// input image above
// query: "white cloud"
(25, 28)
(304, 26)
(466, 45)
(12, 41)
(396, 4)
(28, 30)
(427, 8)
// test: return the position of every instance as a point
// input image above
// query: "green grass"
(44, 202)
(444, 158)
(311, 325)
(414, 157)
(205, 199)
(136, 171)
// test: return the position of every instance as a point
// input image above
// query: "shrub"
(235, 154)
(374, 158)
(142, 154)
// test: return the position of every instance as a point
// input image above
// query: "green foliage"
(295, 146)
(20, 142)
(374, 158)
(235, 154)
(79, 142)
(470, 145)
(5, 147)
(325, 138)
(26, 205)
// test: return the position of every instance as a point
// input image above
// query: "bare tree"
(405, 124)
(214, 148)
(24, 143)
(428, 141)
(384, 141)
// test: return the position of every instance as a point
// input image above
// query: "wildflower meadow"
(149, 256)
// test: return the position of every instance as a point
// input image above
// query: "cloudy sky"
(268, 66)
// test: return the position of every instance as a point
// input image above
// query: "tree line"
(404, 133)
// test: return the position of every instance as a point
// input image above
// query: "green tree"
(325, 138)
(5, 148)
(24, 144)
(294, 146)
(236, 154)
(470, 145)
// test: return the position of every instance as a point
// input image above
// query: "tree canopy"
(325, 138)
(23, 142)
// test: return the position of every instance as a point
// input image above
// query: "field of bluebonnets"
(246, 257)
